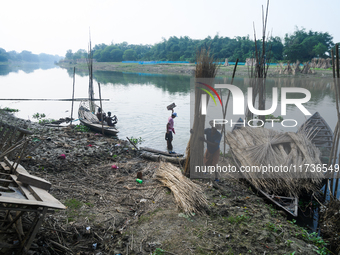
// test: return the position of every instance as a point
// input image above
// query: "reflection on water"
(139, 100)
(171, 83)
(25, 67)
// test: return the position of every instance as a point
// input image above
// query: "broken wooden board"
(289, 204)
(34, 196)
(34, 181)
(4, 166)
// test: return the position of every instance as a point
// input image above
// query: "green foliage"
(41, 118)
(301, 45)
(73, 203)
(311, 238)
(273, 211)
(81, 128)
(129, 54)
(289, 242)
(304, 46)
(238, 219)
(272, 227)
(136, 140)
(158, 251)
(272, 117)
(27, 56)
(7, 109)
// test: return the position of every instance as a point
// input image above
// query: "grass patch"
(7, 109)
(81, 128)
(238, 219)
(73, 203)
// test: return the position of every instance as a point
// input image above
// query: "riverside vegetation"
(109, 211)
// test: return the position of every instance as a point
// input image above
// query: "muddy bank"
(108, 212)
(186, 69)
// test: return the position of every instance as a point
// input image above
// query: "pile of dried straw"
(188, 195)
(293, 151)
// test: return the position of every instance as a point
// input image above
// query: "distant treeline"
(27, 56)
(301, 45)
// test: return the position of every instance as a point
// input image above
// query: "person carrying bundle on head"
(169, 130)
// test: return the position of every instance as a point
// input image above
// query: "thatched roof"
(266, 147)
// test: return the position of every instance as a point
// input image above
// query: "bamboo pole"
(336, 127)
(100, 98)
(74, 78)
(337, 84)
(49, 99)
(224, 110)
(337, 60)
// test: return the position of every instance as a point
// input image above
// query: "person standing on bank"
(169, 130)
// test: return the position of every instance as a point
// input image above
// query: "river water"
(139, 100)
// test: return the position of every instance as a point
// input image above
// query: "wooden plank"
(6, 180)
(44, 196)
(20, 169)
(161, 152)
(17, 201)
(4, 166)
(23, 189)
(294, 204)
(34, 181)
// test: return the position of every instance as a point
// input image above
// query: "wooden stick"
(132, 143)
(337, 60)
(74, 77)
(49, 99)
(61, 246)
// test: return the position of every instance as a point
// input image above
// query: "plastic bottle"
(139, 180)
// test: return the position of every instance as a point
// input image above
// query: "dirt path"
(108, 212)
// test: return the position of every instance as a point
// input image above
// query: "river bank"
(107, 209)
(185, 69)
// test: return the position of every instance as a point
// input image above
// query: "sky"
(53, 27)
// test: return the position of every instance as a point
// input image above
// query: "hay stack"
(188, 195)
(206, 67)
(256, 146)
(250, 62)
(307, 69)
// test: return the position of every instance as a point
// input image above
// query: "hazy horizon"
(53, 27)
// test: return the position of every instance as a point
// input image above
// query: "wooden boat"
(87, 108)
(320, 134)
(90, 120)
(288, 204)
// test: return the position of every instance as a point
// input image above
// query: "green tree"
(69, 54)
(129, 55)
(301, 44)
(320, 50)
(3, 55)
(116, 55)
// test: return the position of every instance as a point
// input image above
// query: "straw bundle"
(260, 146)
(188, 196)
(206, 67)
